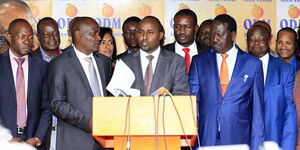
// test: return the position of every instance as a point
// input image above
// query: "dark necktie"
(148, 75)
(187, 58)
(20, 91)
(94, 82)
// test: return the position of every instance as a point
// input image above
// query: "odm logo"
(183, 6)
(294, 12)
(71, 10)
(220, 9)
(145, 10)
(257, 11)
(107, 10)
(35, 10)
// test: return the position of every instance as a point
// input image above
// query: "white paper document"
(122, 80)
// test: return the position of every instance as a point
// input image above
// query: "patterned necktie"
(148, 75)
(20, 91)
(187, 58)
(94, 82)
(224, 78)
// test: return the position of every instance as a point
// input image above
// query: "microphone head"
(163, 91)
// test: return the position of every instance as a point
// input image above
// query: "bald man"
(153, 66)
(24, 105)
(14, 9)
(76, 76)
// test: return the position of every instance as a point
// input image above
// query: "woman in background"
(107, 43)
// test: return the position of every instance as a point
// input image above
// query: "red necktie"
(187, 58)
(20, 92)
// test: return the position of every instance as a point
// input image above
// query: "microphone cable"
(127, 121)
(163, 121)
(156, 113)
(194, 118)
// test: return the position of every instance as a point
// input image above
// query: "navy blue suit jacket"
(240, 113)
(38, 106)
(280, 110)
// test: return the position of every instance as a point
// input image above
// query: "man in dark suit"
(286, 47)
(153, 66)
(203, 35)
(24, 105)
(75, 77)
(129, 28)
(280, 110)
(185, 28)
(228, 83)
(49, 38)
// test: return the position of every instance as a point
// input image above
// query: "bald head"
(258, 41)
(265, 25)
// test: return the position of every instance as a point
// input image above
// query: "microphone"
(161, 92)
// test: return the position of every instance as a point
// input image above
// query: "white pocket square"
(245, 77)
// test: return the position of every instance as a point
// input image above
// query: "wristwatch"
(38, 142)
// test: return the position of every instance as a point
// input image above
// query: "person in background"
(280, 110)
(203, 35)
(108, 45)
(286, 47)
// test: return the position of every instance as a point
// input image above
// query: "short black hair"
(290, 30)
(130, 19)
(224, 18)
(160, 26)
(43, 20)
(187, 12)
(13, 24)
(106, 30)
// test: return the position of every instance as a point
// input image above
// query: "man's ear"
(196, 30)
(77, 35)
(161, 35)
(8, 37)
(233, 35)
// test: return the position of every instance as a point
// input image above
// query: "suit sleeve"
(289, 131)
(61, 107)
(193, 78)
(257, 98)
(181, 82)
(46, 116)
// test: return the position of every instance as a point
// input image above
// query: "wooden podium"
(150, 122)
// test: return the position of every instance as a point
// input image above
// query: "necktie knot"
(150, 57)
(89, 60)
(20, 60)
(224, 56)
(186, 50)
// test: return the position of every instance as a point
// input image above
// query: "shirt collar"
(80, 54)
(13, 56)
(192, 46)
(265, 58)
(154, 54)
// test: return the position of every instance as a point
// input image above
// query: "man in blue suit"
(280, 110)
(24, 105)
(229, 90)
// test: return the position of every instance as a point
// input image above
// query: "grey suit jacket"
(170, 72)
(71, 99)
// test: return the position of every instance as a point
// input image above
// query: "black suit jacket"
(200, 49)
(38, 107)
(71, 99)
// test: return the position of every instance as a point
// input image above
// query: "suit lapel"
(137, 69)
(74, 61)
(101, 72)
(215, 71)
(271, 72)
(159, 69)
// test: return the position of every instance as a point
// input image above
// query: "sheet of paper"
(122, 80)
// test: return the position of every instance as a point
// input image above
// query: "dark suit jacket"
(37, 53)
(38, 107)
(171, 47)
(170, 72)
(280, 110)
(71, 99)
(240, 113)
(297, 102)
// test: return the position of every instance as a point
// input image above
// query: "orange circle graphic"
(71, 10)
(294, 12)
(107, 11)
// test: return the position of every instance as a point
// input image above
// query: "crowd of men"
(243, 96)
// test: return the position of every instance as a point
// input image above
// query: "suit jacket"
(170, 72)
(297, 102)
(171, 47)
(71, 99)
(240, 113)
(38, 107)
(280, 110)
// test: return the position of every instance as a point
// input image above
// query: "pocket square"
(245, 77)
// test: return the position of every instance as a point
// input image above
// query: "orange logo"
(145, 10)
(35, 10)
(71, 10)
(257, 11)
(294, 11)
(107, 10)
(220, 9)
(183, 6)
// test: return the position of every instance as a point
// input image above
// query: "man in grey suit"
(153, 66)
(75, 77)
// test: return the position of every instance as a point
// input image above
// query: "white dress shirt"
(145, 61)
(232, 54)
(85, 65)
(265, 63)
(193, 50)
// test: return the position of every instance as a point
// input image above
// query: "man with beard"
(280, 110)
(75, 77)
(153, 66)
(228, 83)
(185, 27)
